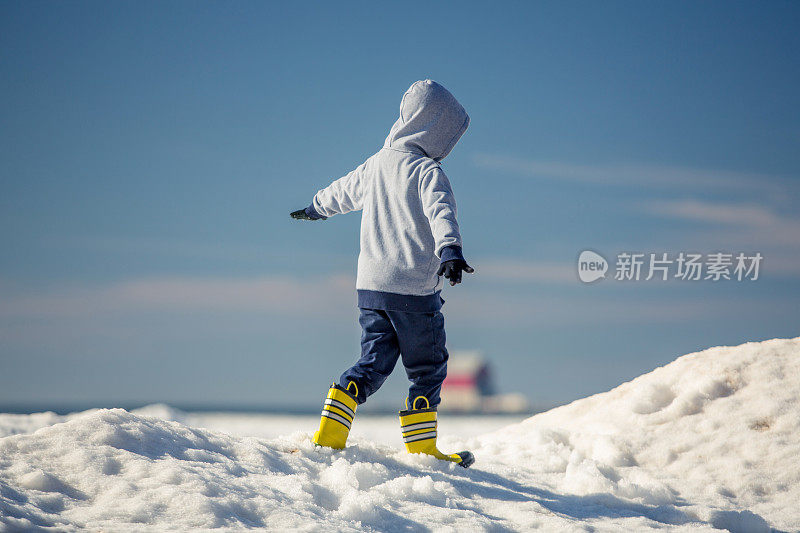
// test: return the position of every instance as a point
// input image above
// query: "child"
(409, 239)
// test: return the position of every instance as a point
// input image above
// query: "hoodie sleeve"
(341, 196)
(439, 206)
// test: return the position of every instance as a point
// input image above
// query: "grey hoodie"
(408, 224)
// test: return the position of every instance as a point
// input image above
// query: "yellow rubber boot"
(338, 412)
(419, 434)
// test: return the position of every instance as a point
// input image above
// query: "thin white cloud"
(758, 222)
(277, 294)
(590, 307)
(738, 222)
(222, 250)
(329, 296)
(751, 215)
(638, 175)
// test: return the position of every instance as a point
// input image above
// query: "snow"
(707, 442)
(380, 429)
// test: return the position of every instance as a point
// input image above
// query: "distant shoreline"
(309, 410)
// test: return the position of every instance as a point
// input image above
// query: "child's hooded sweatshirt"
(408, 224)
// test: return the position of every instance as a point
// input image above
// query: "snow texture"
(707, 442)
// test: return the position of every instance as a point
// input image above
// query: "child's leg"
(422, 345)
(421, 338)
(379, 353)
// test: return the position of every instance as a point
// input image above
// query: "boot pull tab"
(414, 403)
(353, 383)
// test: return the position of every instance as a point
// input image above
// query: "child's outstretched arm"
(439, 206)
(341, 196)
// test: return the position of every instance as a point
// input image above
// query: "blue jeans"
(386, 335)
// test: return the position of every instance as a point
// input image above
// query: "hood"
(431, 121)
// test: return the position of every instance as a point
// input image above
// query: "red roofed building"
(469, 387)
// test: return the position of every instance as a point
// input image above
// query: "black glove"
(309, 213)
(452, 270)
(300, 214)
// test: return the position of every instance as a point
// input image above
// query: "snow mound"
(112, 468)
(14, 424)
(707, 442)
(715, 433)
(162, 411)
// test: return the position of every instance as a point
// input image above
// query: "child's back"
(409, 212)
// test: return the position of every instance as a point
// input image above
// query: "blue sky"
(150, 155)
